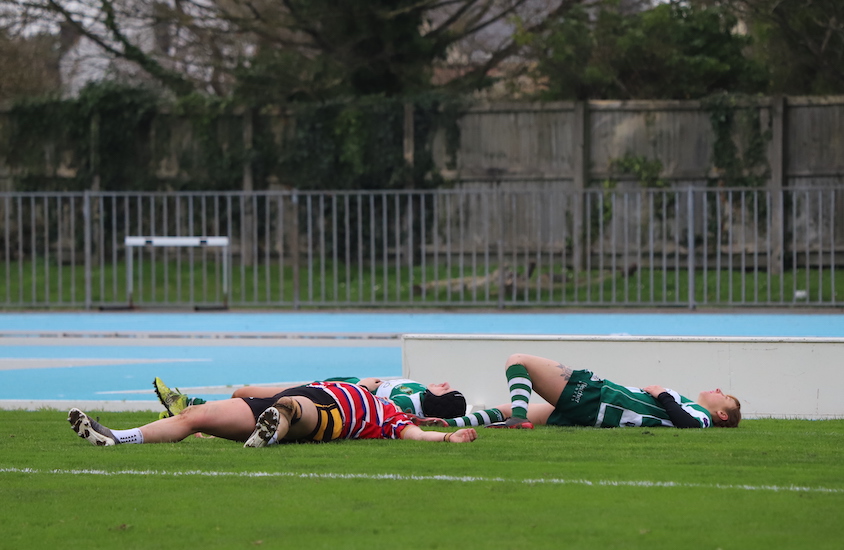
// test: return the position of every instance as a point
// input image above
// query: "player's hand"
(466, 435)
(370, 383)
(654, 391)
(428, 421)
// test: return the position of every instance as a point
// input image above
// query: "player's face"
(715, 400)
(439, 389)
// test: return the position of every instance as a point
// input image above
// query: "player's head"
(724, 408)
(440, 401)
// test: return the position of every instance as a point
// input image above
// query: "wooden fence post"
(580, 156)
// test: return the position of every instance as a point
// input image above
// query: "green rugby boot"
(173, 400)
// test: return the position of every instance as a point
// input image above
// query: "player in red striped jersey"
(316, 412)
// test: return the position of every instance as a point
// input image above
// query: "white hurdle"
(772, 377)
(138, 241)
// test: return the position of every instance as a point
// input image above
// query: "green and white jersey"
(627, 406)
(406, 394)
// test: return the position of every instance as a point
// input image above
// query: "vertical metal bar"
(397, 244)
(538, 221)
(664, 234)
(832, 202)
(129, 268)
(280, 236)
(114, 199)
(423, 242)
(677, 232)
(165, 257)
(448, 258)
(742, 216)
(33, 249)
(152, 255)
(651, 247)
(718, 224)
(794, 246)
(101, 244)
(820, 245)
(768, 244)
(372, 251)
(203, 219)
(487, 212)
(220, 255)
(348, 244)
(127, 220)
(294, 253)
(705, 250)
(410, 242)
(6, 251)
(435, 226)
(600, 247)
(461, 232)
(731, 236)
(268, 245)
(334, 251)
(756, 248)
(638, 248)
(86, 209)
(189, 223)
(690, 235)
(588, 247)
(253, 241)
(310, 237)
(46, 250)
(73, 250)
(362, 290)
(613, 221)
(808, 261)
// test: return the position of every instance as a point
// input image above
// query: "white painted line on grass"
(460, 479)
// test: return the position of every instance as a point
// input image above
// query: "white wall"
(772, 377)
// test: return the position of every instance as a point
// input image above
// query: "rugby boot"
(513, 423)
(91, 430)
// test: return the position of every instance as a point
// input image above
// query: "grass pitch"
(768, 484)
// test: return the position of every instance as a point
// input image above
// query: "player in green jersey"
(579, 398)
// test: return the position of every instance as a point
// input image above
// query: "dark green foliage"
(60, 134)
(801, 41)
(739, 151)
(672, 51)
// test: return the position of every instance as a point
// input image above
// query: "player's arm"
(678, 416)
(414, 433)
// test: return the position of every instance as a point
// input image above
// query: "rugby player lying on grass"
(319, 412)
(579, 398)
(433, 400)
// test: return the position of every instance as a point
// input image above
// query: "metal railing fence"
(491, 248)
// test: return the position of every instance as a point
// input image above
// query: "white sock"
(128, 436)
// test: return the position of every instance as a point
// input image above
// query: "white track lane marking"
(460, 479)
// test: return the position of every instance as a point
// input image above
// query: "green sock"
(520, 389)
(196, 401)
(479, 418)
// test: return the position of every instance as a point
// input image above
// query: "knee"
(516, 359)
(240, 392)
(191, 415)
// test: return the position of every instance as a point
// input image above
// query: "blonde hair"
(733, 415)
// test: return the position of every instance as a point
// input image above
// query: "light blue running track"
(44, 370)
(640, 324)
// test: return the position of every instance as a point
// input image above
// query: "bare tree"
(295, 47)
